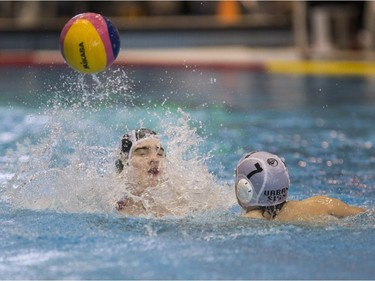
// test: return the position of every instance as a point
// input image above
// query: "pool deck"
(275, 60)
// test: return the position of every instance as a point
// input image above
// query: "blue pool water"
(59, 132)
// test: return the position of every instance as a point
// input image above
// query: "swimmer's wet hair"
(128, 141)
(269, 212)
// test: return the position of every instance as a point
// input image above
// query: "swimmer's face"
(148, 160)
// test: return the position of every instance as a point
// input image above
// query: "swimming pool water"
(61, 226)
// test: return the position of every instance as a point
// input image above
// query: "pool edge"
(230, 58)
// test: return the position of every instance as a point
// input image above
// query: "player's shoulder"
(305, 205)
(318, 197)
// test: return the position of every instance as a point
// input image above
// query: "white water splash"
(71, 168)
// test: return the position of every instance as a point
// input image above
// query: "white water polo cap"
(129, 142)
(261, 180)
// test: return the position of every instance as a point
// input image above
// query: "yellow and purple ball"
(89, 43)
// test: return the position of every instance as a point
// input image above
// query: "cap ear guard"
(126, 144)
(125, 147)
(244, 192)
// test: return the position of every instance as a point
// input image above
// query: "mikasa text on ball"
(89, 43)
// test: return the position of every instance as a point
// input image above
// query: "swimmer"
(142, 154)
(262, 184)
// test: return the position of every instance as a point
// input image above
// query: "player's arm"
(336, 207)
